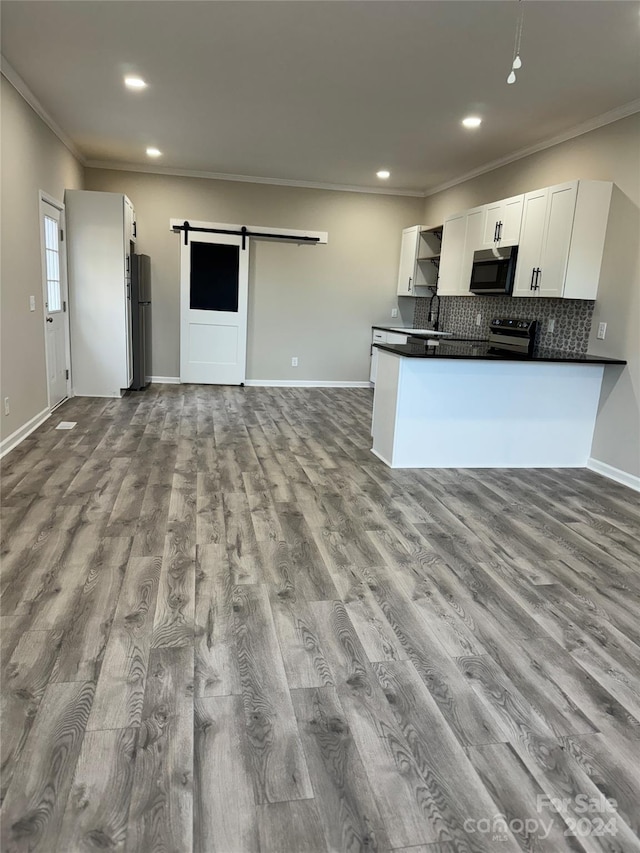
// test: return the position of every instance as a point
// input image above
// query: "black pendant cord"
(243, 232)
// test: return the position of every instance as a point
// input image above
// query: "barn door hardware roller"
(242, 232)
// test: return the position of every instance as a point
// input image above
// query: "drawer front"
(393, 338)
(379, 337)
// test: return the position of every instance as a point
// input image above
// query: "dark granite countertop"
(482, 351)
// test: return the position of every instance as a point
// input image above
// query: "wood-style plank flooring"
(228, 627)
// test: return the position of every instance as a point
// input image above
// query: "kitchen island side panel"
(487, 414)
(385, 406)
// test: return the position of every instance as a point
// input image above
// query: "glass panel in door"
(213, 282)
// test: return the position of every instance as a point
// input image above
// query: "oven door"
(493, 271)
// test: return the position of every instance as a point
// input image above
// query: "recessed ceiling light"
(134, 83)
(384, 174)
(154, 152)
(472, 121)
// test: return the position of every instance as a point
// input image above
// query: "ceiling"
(325, 92)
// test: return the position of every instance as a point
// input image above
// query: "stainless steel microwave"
(493, 271)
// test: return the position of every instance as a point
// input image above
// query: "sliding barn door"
(214, 285)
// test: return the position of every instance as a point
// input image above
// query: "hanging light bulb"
(517, 62)
(511, 78)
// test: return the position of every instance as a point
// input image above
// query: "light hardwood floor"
(228, 627)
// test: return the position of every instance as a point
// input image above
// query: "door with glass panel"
(214, 289)
(55, 303)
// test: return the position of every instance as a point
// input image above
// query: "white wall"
(610, 153)
(314, 302)
(33, 159)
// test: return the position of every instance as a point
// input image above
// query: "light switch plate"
(32, 303)
(394, 312)
(602, 331)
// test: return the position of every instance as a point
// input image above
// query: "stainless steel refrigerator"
(141, 320)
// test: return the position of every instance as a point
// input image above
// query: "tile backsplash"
(458, 315)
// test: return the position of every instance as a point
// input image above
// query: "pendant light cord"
(518, 38)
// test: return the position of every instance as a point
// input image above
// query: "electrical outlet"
(478, 319)
(294, 361)
(551, 325)
(6, 406)
(602, 331)
(394, 312)
(32, 303)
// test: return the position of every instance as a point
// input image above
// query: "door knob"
(49, 319)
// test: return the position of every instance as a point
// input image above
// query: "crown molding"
(12, 76)
(249, 179)
(578, 130)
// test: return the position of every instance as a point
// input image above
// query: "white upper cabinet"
(560, 233)
(453, 234)
(562, 240)
(530, 248)
(461, 237)
(561, 205)
(419, 255)
(408, 255)
(502, 221)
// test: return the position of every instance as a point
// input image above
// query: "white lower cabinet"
(378, 336)
(562, 240)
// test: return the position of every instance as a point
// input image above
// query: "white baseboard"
(13, 440)
(612, 473)
(165, 380)
(304, 383)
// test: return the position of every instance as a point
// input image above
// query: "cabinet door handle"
(533, 275)
(495, 233)
(410, 279)
(499, 231)
(135, 229)
(538, 272)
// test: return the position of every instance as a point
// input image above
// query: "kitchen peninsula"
(466, 405)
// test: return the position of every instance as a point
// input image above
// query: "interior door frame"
(45, 198)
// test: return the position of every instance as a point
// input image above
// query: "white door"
(472, 238)
(493, 215)
(406, 270)
(55, 303)
(452, 255)
(511, 221)
(561, 208)
(531, 239)
(214, 286)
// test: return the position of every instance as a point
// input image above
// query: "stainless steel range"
(512, 335)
